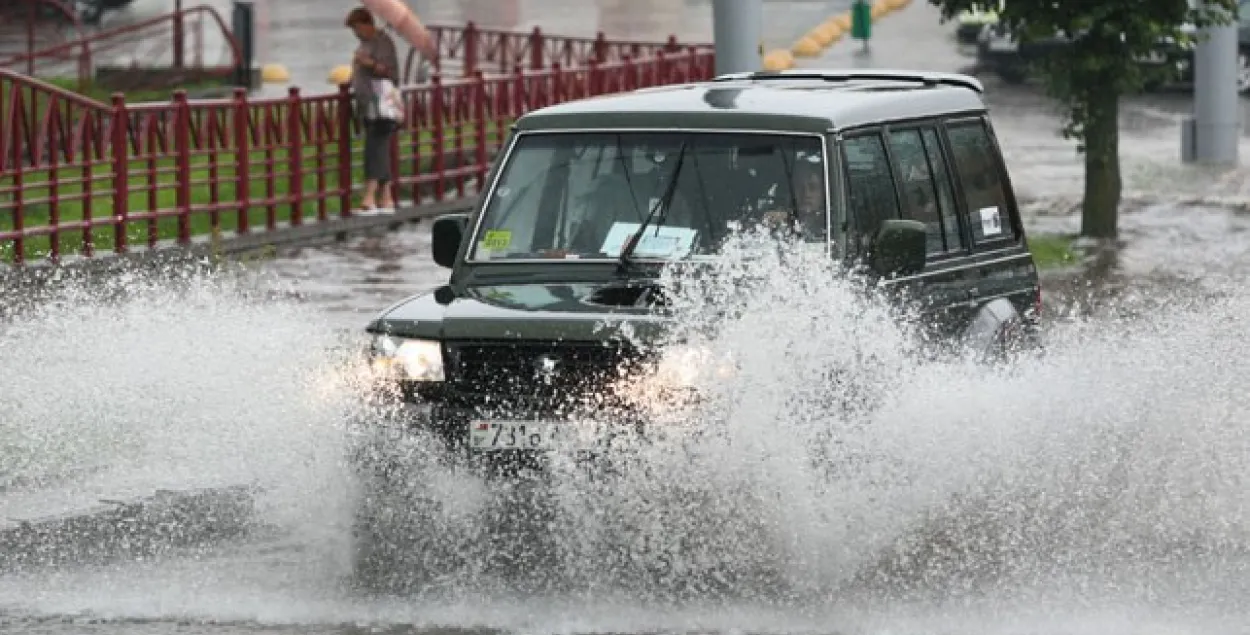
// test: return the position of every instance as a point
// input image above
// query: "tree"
(1098, 65)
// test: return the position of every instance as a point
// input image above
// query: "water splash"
(1105, 473)
(176, 379)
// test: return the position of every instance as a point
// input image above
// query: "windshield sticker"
(659, 241)
(991, 223)
(496, 240)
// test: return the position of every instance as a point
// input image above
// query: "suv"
(896, 173)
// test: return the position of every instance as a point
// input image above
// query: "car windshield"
(584, 195)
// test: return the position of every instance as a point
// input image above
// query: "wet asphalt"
(1180, 224)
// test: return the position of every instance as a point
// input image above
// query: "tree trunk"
(1100, 208)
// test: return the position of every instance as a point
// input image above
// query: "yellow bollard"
(274, 74)
(806, 47)
(778, 60)
(340, 74)
(843, 21)
(826, 33)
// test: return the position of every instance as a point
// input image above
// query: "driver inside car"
(807, 217)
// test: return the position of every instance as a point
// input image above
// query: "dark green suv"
(894, 173)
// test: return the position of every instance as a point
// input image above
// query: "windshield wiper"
(627, 250)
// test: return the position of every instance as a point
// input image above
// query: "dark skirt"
(378, 150)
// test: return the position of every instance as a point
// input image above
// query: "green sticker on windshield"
(497, 240)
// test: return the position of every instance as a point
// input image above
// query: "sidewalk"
(910, 38)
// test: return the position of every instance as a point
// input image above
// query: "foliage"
(1102, 43)
(1106, 39)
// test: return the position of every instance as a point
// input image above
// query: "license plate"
(494, 436)
(1002, 46)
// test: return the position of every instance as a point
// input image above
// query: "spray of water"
(834, 461)
(176, 380)
(842, 472)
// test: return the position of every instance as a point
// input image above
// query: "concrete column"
(1212, 134)
(736, 30)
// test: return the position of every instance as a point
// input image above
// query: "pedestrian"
(375, 60)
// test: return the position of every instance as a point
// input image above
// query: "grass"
(104, 94)
(1053, 251)
(87, 192)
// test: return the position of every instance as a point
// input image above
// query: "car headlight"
(413, 359)
(689, 366)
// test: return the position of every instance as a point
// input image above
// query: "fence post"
(479, 116)
(182, 165)
(594, 80)
(295, 154)
(601, 48)
(536, 49)
(121, 172)
(242, 161)
(345, 150)
(437, 116)
(471, 37)
(556, 95)
(179, 35)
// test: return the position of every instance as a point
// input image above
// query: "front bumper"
(432, 432)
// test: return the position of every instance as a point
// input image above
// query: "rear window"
(977, 168)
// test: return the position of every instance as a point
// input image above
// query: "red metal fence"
(79, 177)
(174, 41)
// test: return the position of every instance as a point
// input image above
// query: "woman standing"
(375, 59)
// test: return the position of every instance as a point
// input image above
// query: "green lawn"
(1052, 251)
(105, 95)
(87, 192)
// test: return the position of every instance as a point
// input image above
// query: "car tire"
(393, 549)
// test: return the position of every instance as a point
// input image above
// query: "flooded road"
(1098, 489)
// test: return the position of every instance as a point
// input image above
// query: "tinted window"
(976, 166)
(581, 195)
(870, 185)
(926, 189)
(945, 191)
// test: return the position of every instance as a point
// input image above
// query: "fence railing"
(79, 178)
(174, 41)
(181, 36)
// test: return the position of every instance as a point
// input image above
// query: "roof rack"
(921, 77)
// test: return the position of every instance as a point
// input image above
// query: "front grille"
(508, 373)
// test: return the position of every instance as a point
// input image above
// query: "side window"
(945, 191)
(915, 180)
(869, 184)
(976, 165)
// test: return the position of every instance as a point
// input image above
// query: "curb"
(25, 285)
(826, 34)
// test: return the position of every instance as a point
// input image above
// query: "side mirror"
(899, 248)
(446, 235)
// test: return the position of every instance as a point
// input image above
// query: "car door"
(873, 196)
(927, 192)
(1000, 265)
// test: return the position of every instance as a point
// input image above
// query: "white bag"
(390, 100)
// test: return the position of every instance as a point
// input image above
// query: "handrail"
(77, 176)
(61, 93)
(31, 6)
(53, 51)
